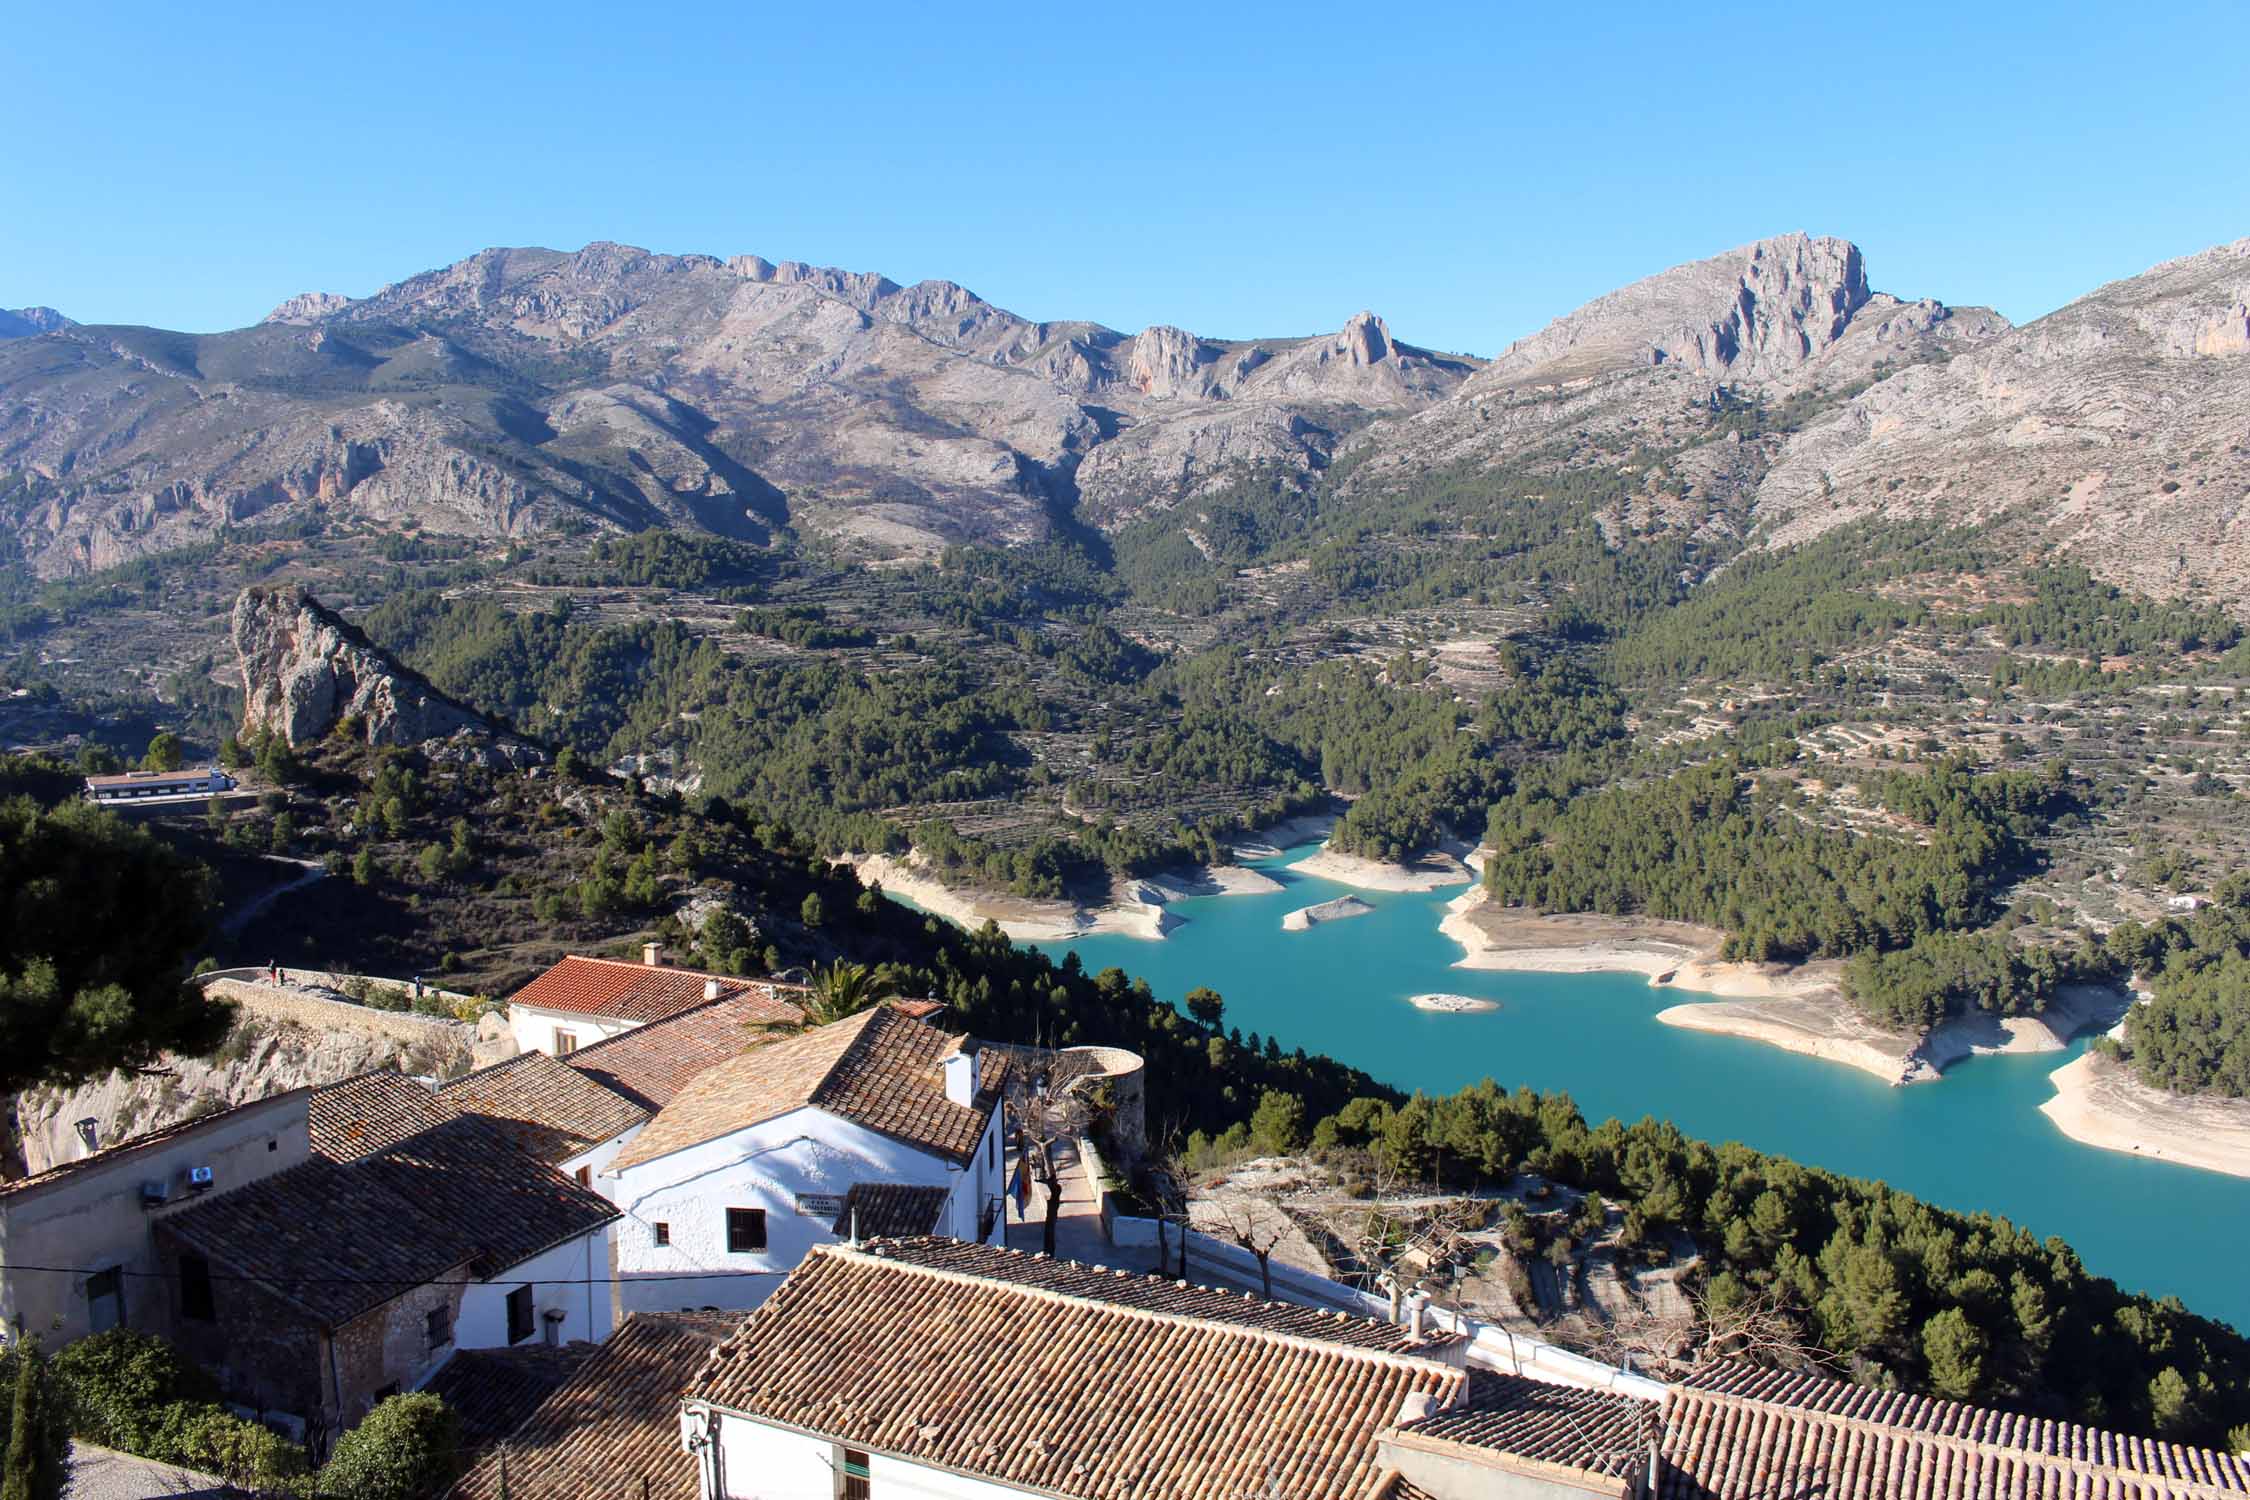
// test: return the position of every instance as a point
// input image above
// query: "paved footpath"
(104, 1474)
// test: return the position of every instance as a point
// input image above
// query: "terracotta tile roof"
(493, 1391)
(1391, 1485)
(614, 1425)
(546, 1108)
(338, 1238)
(358, 1116)
(325, 1236)
(651, 1063)
(874, 1209)
(1734, 1430)
(1595, 1432)
(624, 991)
(1031, 1388)
(119, 1150)
(879, 1069)
(513, 1205)
(1160, 1294)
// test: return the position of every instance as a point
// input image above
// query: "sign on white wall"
(819, 1206)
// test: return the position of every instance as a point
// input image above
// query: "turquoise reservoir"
(1974, 1140)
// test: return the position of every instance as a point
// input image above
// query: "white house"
(927, 1368)
(880, 1119)
(133, 786)
(582, 1000)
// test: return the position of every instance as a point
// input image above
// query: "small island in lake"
(1327, 911)
(1455, 1004)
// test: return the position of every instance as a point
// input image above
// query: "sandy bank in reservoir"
(1800, 1008)
(2101, 1103)
(1305, 917)
(1135, 908)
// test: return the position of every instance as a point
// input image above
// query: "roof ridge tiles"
(2108, 1460)
(1318, 1347)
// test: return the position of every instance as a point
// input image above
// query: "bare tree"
(1162, 1175)
(1761, 1328)
(1256, 1224)
(1045, 1122)
(1406, 1239)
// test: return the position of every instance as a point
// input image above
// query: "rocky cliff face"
(260, 1058)
(2117, 428)
(304, 671)
(517, 388)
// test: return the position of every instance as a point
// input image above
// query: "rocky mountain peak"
(1758, 312)
(27, 322)
(1162, 362)
(305, 671)
(1366, 339)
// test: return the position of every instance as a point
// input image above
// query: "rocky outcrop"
(1305, 918)
(2112, 428)
(308, 307)
(305, 671)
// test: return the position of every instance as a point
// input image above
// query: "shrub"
(119, 1384)
(213, 1440)
(404, 1449)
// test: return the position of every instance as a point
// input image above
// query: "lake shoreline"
(2098, 1102)
(1798, 1008)
(1136, 907)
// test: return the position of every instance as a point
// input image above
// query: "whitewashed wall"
(561, 1277)
(534, 1027)
(807, 1151)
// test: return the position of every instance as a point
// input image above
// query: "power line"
(10, 1268)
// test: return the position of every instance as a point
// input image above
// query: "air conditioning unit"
(154, 1194)
(199, 1179)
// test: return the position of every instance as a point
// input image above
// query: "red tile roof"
(1735, 1431)
(549, 1110)
(873, 1209)
(494, 1391)
(583, 986)
(1061, 1395)
(879, 1069)
(359, 1116)
(1152, 1293)
(652, 1063)
(1601, 1433)
(614, 1429)
(338, 1237)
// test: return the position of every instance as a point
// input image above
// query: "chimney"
(711, 989)
(961, 1077)
(90, 1131)
(652, 954)
(1414, 1313)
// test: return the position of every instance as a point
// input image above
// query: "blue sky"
(1466, 171)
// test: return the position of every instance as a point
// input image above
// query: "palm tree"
(845, 989)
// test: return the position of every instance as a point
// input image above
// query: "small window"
(520, 1320)
(566, 1042)
(661, 1232)
(195, 1288)
(851, 1475)
(585, 1175)
(105, 1300)
(746, 1230)
(438, 1327)
(992, 1149)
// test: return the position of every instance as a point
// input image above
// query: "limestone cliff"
(304, 671)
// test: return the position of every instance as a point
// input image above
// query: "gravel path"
(103, 1474)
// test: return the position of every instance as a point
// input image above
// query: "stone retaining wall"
(280, 1004)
